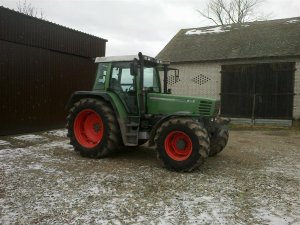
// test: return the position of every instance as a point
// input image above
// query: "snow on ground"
(4, 142)
(59, 133)
(254, 181)
(28, 137)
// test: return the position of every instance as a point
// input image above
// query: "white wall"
(209, 75)
(198, 80)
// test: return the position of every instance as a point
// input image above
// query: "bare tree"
(27, 8)
(223, 12)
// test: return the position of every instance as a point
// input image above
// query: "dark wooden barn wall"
(37, 77)
(258, 91)
(35, 85)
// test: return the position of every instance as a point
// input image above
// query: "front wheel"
(93, 128)
(182, 144)
(218, 140)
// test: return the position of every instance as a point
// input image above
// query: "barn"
(253, 68)
(41, 64)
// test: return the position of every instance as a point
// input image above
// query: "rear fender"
(76, 96)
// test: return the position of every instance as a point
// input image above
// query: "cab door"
(124, 85)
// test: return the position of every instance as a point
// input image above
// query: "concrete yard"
(255, 180)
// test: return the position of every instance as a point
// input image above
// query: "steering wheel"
(130, 87)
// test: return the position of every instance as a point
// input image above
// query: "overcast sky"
(131, 26)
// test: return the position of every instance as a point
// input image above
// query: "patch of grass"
(295, 126)
(257, 127)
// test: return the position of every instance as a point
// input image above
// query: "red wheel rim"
(88, 128)
(178, 145)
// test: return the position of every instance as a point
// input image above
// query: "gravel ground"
(255, 180)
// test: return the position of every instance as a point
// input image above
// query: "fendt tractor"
(128, 107)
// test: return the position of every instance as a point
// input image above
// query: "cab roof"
(128, 58)
(124, 58)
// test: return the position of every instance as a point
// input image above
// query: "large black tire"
(182, 144)
(218, 140)
(92, 128)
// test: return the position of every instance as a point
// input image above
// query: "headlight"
(217, 108)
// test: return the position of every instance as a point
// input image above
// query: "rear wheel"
(92, 128)
(182, 144)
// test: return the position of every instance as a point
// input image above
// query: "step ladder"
(132, 130)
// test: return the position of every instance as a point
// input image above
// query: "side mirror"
(134, 67)
(176, 75)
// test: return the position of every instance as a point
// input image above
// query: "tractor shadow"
(136, 155)
(231, 157)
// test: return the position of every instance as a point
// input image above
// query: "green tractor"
(128, 107)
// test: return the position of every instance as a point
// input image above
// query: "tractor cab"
(130, 78)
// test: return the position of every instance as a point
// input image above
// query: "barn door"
(258, 90)
(274, 87)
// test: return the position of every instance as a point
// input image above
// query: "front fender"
(162, 120)
(217, 125)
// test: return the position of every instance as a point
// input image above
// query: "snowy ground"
(256, 180)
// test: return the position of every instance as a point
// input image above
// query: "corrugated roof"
(49, 22)
(271, 38)
(30, 31)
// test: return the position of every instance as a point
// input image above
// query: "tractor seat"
(115, 85)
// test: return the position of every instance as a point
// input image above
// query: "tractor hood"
(158, 103)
